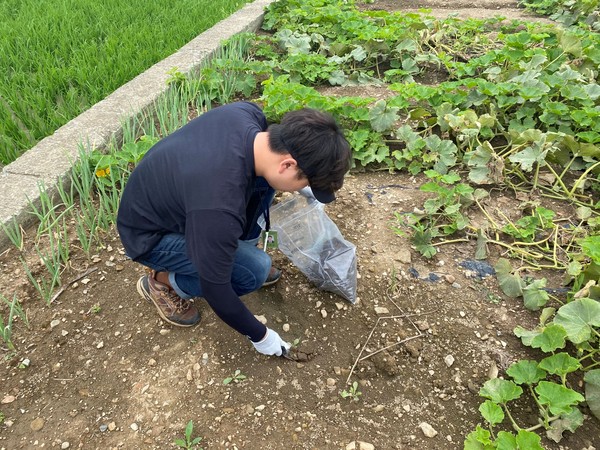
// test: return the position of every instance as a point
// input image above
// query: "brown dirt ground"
(108, 373)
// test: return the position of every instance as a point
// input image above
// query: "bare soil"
(105, 372)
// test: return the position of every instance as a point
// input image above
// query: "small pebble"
(112, 426)
(134, 426)
(54, 323)
(261, 319)
(65, 445)
(103, 428)
(286, 327)
(37, 424)
(449, 360)
(427, 430)
(324, 313)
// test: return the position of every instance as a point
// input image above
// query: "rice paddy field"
(59, 57)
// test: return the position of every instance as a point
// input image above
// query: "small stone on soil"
(427, 430)
(449, 360)
(261, 319)
(37, 424)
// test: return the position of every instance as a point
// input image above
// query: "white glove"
(271, 344)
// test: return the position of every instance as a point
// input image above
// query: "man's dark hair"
(316, 142)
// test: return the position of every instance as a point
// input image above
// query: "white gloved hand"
(271, 344)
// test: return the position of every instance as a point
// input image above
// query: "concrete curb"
(53, 156)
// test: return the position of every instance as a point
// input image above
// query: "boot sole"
(148, 298)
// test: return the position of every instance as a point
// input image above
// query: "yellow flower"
(101, 173)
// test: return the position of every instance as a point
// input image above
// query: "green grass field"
(59, 57)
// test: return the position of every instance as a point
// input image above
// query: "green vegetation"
(59, 58)
(237, 377)
(6, 326)
(585, 13)
(188, 443)
(352, 392)
(475, 106)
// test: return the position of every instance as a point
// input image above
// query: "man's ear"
(287, 163)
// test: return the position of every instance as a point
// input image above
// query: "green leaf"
(546, 314)
(592, 391)
(578, 318)
(591, 247)
(526, 372)
(491, 412)
(383, 117)
(506, 441)
(559, 398)
(567, 422)
(337, 78)
(551, 338)
(359, 53)
(511, 285)
(500, 391)
(560, 364)
(189, 429)
(528, 157)
(528, 440)
(479, 439)
(422, 242)
(481, 251)
(570, 43)
(534, 297)
(526, 335)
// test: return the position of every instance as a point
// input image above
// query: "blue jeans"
(250, 266)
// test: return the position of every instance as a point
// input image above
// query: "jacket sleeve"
(212, 239)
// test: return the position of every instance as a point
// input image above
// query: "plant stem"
(581, 179)
(514, 424)
(452, 241)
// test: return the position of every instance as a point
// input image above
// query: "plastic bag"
(314, 244)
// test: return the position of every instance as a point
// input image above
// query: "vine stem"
(585, 369)
(581, 179)
(485, 213)
(452, 241)
(542, 409)
(560, 181)
(514, 424)
(540, 425)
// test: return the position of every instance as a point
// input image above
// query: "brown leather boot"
(171, 307)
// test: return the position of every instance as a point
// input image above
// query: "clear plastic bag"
(314, 244)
